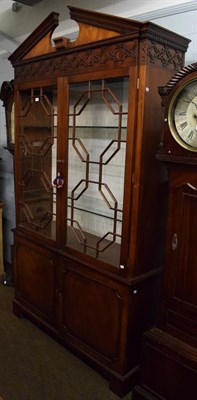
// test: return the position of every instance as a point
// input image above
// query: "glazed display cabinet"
(90, 194)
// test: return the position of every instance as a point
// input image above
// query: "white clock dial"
(183, 116)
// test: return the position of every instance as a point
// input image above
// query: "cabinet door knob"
(58, 182)
(174, 242)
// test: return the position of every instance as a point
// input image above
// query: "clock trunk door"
(180, 296)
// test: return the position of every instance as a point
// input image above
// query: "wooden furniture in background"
(7, 96)
(1, 241)
(90, 193)
(169, 350)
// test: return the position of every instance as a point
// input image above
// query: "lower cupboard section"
(91, 313)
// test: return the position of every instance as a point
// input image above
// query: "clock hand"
(195, 117)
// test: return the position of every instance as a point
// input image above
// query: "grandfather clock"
(169, 352)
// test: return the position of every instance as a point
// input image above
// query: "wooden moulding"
(94, 27)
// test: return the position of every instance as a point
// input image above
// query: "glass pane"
(96, 164)
(37, 163)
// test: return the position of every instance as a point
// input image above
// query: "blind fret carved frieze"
(122, 54)
(164, 55)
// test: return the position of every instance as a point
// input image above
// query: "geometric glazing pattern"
(42, 215)
(37, 139)
(110, 100)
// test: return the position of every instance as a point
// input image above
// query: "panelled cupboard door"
(179, 306)
(90, 297)
(36, 290)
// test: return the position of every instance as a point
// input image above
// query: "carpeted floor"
(33, 366)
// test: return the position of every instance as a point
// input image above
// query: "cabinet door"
(94, 314)
(36, 122)
(179, 304)
(98, 112)
(36, 282)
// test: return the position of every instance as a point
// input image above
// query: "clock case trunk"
(96, 307)
(169, 350)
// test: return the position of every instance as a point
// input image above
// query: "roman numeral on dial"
(183, 125)
(191, 134)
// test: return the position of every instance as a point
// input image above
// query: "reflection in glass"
(37, 119)
(96, 163)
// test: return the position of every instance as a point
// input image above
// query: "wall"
(6, 171)
(177, 15)
(184, 24)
